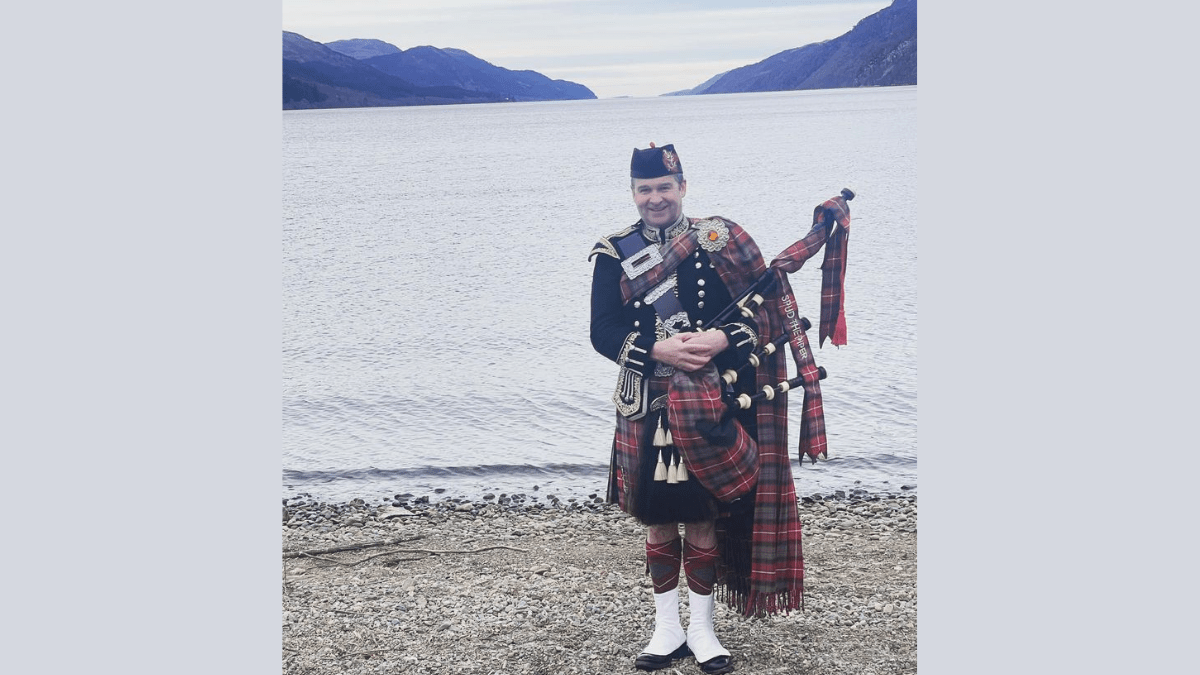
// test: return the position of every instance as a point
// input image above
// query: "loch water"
(436, 283)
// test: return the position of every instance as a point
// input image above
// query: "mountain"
(430, 66)
(359, 73)
(881, 50)
(359, 48)
(698, 89)
(315, 76)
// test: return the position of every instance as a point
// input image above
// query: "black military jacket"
(625, 332)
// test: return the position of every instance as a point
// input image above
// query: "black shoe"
(716, 665)
(654, 661)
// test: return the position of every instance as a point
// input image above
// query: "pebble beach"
(508, 585)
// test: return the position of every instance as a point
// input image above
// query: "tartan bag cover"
(715, 448)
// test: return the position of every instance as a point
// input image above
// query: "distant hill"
(360, 49)
(320, 76)
(881, 50)
(698, 88)
(430, 66)
(315, 76)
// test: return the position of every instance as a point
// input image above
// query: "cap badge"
(670, 161)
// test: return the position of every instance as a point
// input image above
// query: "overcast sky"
(614, 47)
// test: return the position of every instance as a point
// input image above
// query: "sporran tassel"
(660, 436)
(660, 471)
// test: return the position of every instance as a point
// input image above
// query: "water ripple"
(435, 309)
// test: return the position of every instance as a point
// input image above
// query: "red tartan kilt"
(722, 456)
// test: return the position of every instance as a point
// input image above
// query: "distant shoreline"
(553, 497)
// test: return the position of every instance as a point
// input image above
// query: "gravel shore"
(503, 586)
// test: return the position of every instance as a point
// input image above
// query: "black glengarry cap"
(654, 162)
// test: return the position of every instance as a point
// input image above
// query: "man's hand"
(690, 352)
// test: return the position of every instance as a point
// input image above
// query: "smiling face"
(659, 200)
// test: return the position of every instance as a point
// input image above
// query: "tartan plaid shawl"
(775, 580)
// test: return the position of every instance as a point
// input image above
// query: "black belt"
(639, 257)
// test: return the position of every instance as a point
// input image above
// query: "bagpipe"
(701, 405)
(768, 392)
(828, 216)
(825, 217)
